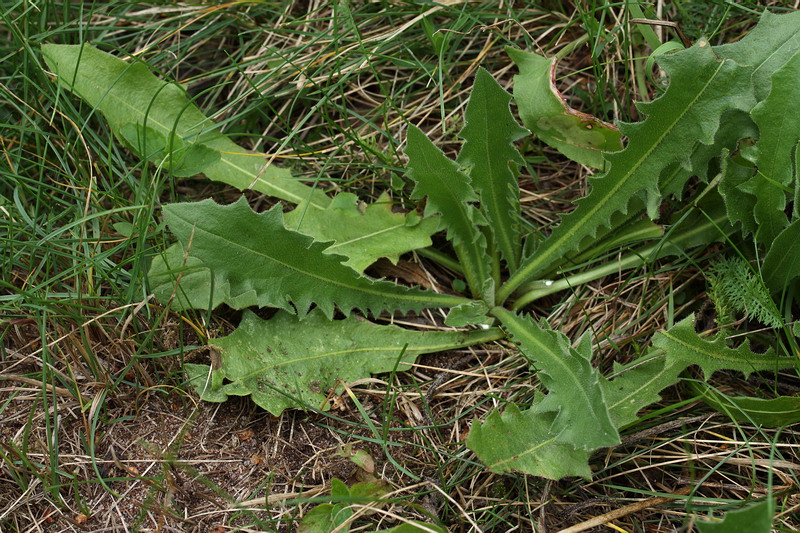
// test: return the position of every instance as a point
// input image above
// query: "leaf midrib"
(523, 332)
(553, 246)
(380, 350)
(430, 297)
(502, 231)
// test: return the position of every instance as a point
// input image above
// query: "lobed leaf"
(363, 236)
(702, 88)
(526, 441)
(780, 133)
(450, 194)
(736, 129)
(756, 518)
(782, 262)
(581, 137)
(286, 362)
(553, 438)
(543, 441)
(492, 159)
(682, 345)
(637, 384)
(242, 258)
(130, 96)
(768, 46)
(573, 384)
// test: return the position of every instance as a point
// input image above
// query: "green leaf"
(735, 287)
(796, 207)
(492, 160)
(128, 93)
(254, 260)
(414, 526)
(702, 88)
(544, 111)
(528, 442)
(194, 160)
(286, 362)
(468, 314)
(324, 518)
(363, 236)
(144, 140)
(768, 412)
(182, 160)
(573, 384)
(327, 517)
(450, 193)
(369, 491)
(780, 133)
(682, 344)
(739, 204)
(754, 519)
(540, 441)
(554, 438)
(782, 262)
(767, 47)
(735, 126)
(638, 385)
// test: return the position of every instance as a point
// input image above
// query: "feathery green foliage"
(735, 288)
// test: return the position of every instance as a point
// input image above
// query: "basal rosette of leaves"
(715, 121)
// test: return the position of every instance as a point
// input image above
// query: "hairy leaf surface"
(363, 236)
(128, 94)
(450, 193)
(492, 159)
(286, 362)
(581, 137)
(702, 88)
(254, 260)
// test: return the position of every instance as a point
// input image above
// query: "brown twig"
(625, 511)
